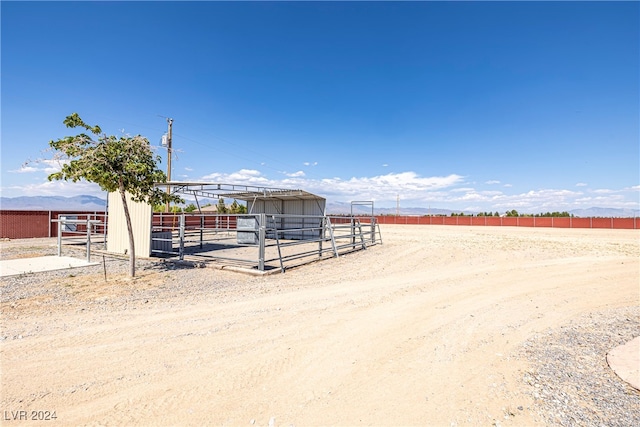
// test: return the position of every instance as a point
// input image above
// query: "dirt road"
(424, 329)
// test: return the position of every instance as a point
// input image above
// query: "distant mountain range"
(341, 208)
(606, 212)
(92, 203)
(53, 203)
(338, 208)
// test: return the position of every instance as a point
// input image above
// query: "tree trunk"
(132, 249)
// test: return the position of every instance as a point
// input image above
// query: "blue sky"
(485, 106)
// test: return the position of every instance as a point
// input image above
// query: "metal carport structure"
(283, 227)
(259, 199)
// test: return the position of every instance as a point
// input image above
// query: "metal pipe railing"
(88, 222)
(275, 237)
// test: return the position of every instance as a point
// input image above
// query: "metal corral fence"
(80, 228)
(260, 241)
(81, 231)
(519, 221)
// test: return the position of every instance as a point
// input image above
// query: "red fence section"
(15, 224)
(514, 221)
(166, 221)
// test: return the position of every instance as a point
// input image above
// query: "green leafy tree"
(191, 208)
(237, 208)
(222, 208)
(125, 164)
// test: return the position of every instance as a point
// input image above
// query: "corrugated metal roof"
(277, 195)
(237, 191)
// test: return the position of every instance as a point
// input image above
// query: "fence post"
(105, 222)
(88, 238)
(373, 229)
(323, 227)
(59, 237)
(201, 229)
(181, 237)
(262, 218)
(353, 233)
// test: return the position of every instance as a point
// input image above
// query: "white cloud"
(243, 176)
(408, 185)
(385, 165)
(491, 182)
(581, 184)
(537, 200)
(310, 163)
(451, 191)
(25, 169)
(188, 169)
(46, 166)
(462, 190)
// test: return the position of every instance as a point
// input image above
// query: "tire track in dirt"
(420, 330)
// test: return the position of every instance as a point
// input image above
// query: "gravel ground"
(569, 376)
(155, 282)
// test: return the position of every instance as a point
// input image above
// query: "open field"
(439, 325)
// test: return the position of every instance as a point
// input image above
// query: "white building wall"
(287, 207)
(117, 235)
(296, 207)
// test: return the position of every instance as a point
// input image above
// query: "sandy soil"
(421, 330)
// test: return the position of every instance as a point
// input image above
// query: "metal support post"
(88, 238)
(169, 137)
(262, 222)
(333, 238)
(201, 229)
(323, 226)
(182, 237)
(353, 233)
(59, 237)
(373, 229)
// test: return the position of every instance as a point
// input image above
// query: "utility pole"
(170, 122)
